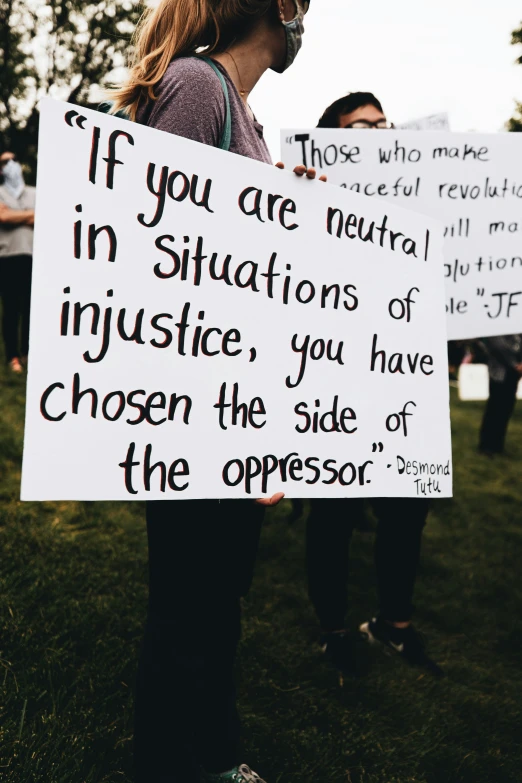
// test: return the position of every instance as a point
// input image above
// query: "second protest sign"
(471, 181)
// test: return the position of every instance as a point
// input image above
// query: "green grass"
(72, 606)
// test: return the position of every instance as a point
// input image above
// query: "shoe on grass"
(406, 642)
(241, 774)
(339, 649)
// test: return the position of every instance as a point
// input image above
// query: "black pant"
(397, 553)
(499, 409)
(15, 290)
(201, 561)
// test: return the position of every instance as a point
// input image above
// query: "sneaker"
(339, 649)
(407, 642)
(241, 774)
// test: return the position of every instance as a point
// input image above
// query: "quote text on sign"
(472, 182)
(204, 325)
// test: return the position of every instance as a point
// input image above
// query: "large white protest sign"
(473, 182)
(203, 326)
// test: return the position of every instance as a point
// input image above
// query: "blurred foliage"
(61, 48)
(515, 123)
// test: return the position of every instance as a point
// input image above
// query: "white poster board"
(439, 122)
(474, 383)
(242, 347)
(473, 182)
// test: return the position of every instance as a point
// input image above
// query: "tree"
(515, 123)
(63, 48)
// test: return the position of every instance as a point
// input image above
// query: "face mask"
(13, 178)
(294, 38)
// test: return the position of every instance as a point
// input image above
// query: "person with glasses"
(16, 250)
(357, 111)
(196, 63)
(400, 521)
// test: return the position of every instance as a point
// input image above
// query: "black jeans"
(397, 553)
(201, 561)
(15, 290)
(499, 409)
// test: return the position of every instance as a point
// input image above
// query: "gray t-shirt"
(191, 103)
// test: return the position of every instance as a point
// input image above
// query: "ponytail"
(180, 28)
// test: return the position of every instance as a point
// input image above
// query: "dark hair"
(350, 102)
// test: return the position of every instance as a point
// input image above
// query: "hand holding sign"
(302, 170)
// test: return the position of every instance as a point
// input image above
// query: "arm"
(16, 217)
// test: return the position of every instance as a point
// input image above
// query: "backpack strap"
(227, 130)
(226, 136)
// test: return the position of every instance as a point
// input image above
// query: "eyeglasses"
(367, 125)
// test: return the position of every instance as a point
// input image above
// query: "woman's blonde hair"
(181, 28)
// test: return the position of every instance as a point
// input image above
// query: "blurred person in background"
(400, 521)
(505, 370)
(16, 251)
(357, 111)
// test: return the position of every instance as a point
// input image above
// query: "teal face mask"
(294, 36)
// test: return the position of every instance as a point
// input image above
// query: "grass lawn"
(72, 605)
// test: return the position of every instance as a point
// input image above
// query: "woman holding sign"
(196, 63)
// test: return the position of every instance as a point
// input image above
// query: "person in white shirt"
(16, 249)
